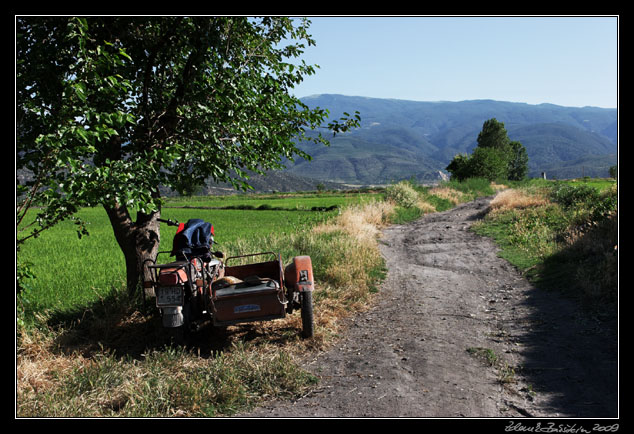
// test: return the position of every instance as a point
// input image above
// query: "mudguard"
(298, 275)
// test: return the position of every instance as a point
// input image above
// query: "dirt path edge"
(459, 332)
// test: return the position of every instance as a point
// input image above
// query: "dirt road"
(458, 332)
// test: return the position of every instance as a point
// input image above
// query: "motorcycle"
(199, 286)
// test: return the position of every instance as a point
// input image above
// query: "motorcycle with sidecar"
(200, 285)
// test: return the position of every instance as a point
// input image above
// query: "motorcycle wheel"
(178, 335)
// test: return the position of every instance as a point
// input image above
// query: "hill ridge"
(401, 139)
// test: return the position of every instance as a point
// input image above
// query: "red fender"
(298, 275)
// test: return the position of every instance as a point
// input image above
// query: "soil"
(459, 332)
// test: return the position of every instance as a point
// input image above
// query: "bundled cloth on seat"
(194, 238)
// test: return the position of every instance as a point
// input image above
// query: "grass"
(278, 201)
(562, 235)
(439, 198)
(89, 351)
(73, 272)
(170, 382)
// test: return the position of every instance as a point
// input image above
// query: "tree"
(613, 171)
(459, 167)
(493, 135)
(489, 163)
(495, 156)
(518, 161)
(111, 108)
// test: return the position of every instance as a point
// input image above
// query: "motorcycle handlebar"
(175, 223)
(169, 222)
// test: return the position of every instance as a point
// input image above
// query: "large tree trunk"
(139, 242)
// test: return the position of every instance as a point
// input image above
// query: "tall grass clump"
(591, 238)
(410, 201)
(402, 194)
(514, 199)
(563, 235)
(347, 265)
(451, 195)
(456, 192)
(352, 263)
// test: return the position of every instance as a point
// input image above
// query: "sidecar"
(265, 290)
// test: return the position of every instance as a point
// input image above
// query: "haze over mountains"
(401, 139)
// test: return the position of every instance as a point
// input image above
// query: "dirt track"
(458, 332)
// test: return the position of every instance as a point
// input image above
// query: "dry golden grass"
(425, 207)
(511, 199)
(453, 196)
(346, 279)
(38, 367)
(362, 222)
(498, 187)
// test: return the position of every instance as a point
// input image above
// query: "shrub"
(564, 236)
(402, 194)
(606, 205)
(459, 167)
(596, 205)
(568, 195)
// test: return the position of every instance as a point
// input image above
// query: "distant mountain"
(554, 147)
(401, 139)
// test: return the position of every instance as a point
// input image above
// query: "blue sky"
(569, 61)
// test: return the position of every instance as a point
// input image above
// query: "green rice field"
(72, 272)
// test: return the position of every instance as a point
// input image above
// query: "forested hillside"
(404, 139)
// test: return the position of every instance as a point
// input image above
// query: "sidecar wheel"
(308, 325)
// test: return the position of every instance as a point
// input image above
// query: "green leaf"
(124, 54)
(80, 91)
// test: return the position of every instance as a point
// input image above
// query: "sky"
(564, 60)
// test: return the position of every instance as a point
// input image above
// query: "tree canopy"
(110, 108)
(495, 156)
(493, 135)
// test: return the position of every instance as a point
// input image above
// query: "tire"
(308, 325)
(178, 336)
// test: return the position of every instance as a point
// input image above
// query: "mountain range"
(400, 139)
